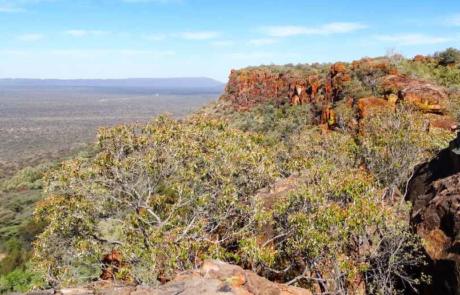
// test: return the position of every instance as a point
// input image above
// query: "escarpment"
(365, 85)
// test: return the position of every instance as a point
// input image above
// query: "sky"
(207, 38)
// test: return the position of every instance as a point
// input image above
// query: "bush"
(393, 142)
(26, 178)
(276, 123)
(20, 280)
(171, 194)
(448, 57)
(177, 193)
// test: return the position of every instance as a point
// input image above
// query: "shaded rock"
(434, 191)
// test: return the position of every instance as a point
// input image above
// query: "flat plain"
(42, 123)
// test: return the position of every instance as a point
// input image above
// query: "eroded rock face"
(434, 191)
(247, 88)
(214, 278)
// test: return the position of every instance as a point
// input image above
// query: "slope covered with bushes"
(296, 173)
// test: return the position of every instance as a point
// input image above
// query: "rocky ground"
(214, 277)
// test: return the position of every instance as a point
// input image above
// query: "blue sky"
(177, 38)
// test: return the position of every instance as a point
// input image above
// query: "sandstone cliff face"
(247, 88)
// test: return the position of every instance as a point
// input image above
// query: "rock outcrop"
(249, 87)
(434, 191)
(425, 96)
(214, 277)
(323, 87)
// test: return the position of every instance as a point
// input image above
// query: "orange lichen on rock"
(419, 58)
(422, 94)
(111, 263)
(249, 87)
(371, 105)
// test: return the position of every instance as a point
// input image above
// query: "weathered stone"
(371, 105)
(442, 122)
(214, 278)
(75, 291)
(422, 94)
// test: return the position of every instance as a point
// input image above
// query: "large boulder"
(424, 95)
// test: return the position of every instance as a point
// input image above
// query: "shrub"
(393, 142)
(20, 280)
(276, 123)
(431, 71)
(448, 57)
(333, 227)
(177, 193)
(26, 178)
(170, 194)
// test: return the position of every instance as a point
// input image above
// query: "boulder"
(370, 105)
(441, 122)
(422, 94)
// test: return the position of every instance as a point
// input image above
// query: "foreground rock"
(434, 191)
(214, 277)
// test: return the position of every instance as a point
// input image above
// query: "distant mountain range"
(162, 85)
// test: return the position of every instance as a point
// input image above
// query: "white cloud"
(199, 35)
(84, 33)
(10, 9)
(154, 37)
(326, 29)
(262, 41)
(453, 20)
(412, 39)
(253, 55)
(223, 43)
(13, 6)
(32, 37)
(91, 53)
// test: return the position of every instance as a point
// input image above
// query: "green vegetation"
(450, 56)
(443, 68)
(171, 193)
(18, 229)
(395, 142)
